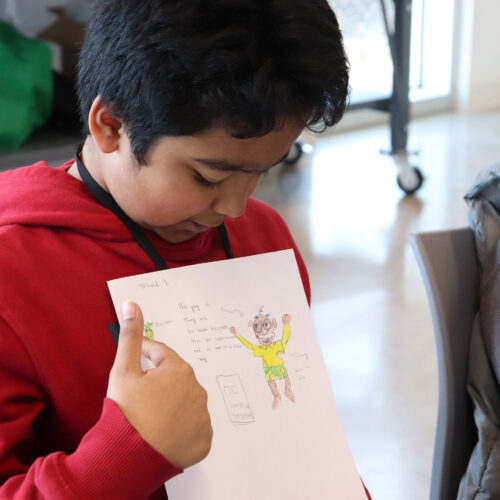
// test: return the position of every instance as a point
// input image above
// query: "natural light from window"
(366, 43)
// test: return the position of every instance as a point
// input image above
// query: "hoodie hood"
(40, 195)
(44, 196)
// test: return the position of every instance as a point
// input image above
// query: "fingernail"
(129, 310)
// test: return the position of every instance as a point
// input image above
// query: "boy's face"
(191, 183)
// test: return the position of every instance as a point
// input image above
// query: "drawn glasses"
(258, 325)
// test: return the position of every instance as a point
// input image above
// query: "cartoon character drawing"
(274, 367)
(148, 331)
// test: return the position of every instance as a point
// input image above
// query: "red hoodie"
(59, 436)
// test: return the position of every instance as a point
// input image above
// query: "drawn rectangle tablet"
(238, 408)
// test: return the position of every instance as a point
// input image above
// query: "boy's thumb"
(128, 354)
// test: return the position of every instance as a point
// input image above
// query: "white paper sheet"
(296, 451)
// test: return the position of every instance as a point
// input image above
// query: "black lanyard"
(145, 243)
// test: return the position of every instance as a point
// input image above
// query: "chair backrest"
(450, 271)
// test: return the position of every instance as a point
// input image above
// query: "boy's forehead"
(218, 150)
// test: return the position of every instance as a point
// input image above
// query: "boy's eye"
(205, 182)
(213, 184)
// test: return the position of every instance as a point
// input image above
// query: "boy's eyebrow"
(224, 165)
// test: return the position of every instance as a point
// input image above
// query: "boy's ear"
(106, 130)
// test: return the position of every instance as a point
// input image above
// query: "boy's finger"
(128, 354)
(156, 352)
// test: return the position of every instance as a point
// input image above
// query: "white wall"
(478, 55)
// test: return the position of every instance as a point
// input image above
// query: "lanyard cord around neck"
(109, 202)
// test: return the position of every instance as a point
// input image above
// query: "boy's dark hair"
(177, 67)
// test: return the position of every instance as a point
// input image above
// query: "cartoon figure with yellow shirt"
(274, 367)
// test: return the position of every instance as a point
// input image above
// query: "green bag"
(26, 85)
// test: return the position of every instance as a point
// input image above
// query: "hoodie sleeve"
(112, 460)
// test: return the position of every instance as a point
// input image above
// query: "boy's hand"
(286, 319)
(166, 404)
(233, 330)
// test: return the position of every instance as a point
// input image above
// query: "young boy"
(185, 105)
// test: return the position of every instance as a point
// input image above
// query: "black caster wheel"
(414, 186)
(294, 154)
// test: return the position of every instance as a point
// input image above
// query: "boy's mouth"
(195, 227)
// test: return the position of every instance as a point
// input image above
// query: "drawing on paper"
(235, 398)
(232, 312)
(264, 328)
(148, 331)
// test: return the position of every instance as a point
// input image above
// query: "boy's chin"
(181, 232)
(174, 236)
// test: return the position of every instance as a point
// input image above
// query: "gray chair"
(450, 271)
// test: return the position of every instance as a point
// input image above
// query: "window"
(362, 23)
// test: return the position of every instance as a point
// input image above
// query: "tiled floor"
(352, 224)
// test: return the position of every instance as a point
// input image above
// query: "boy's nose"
(232, 199)
(231, 206)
